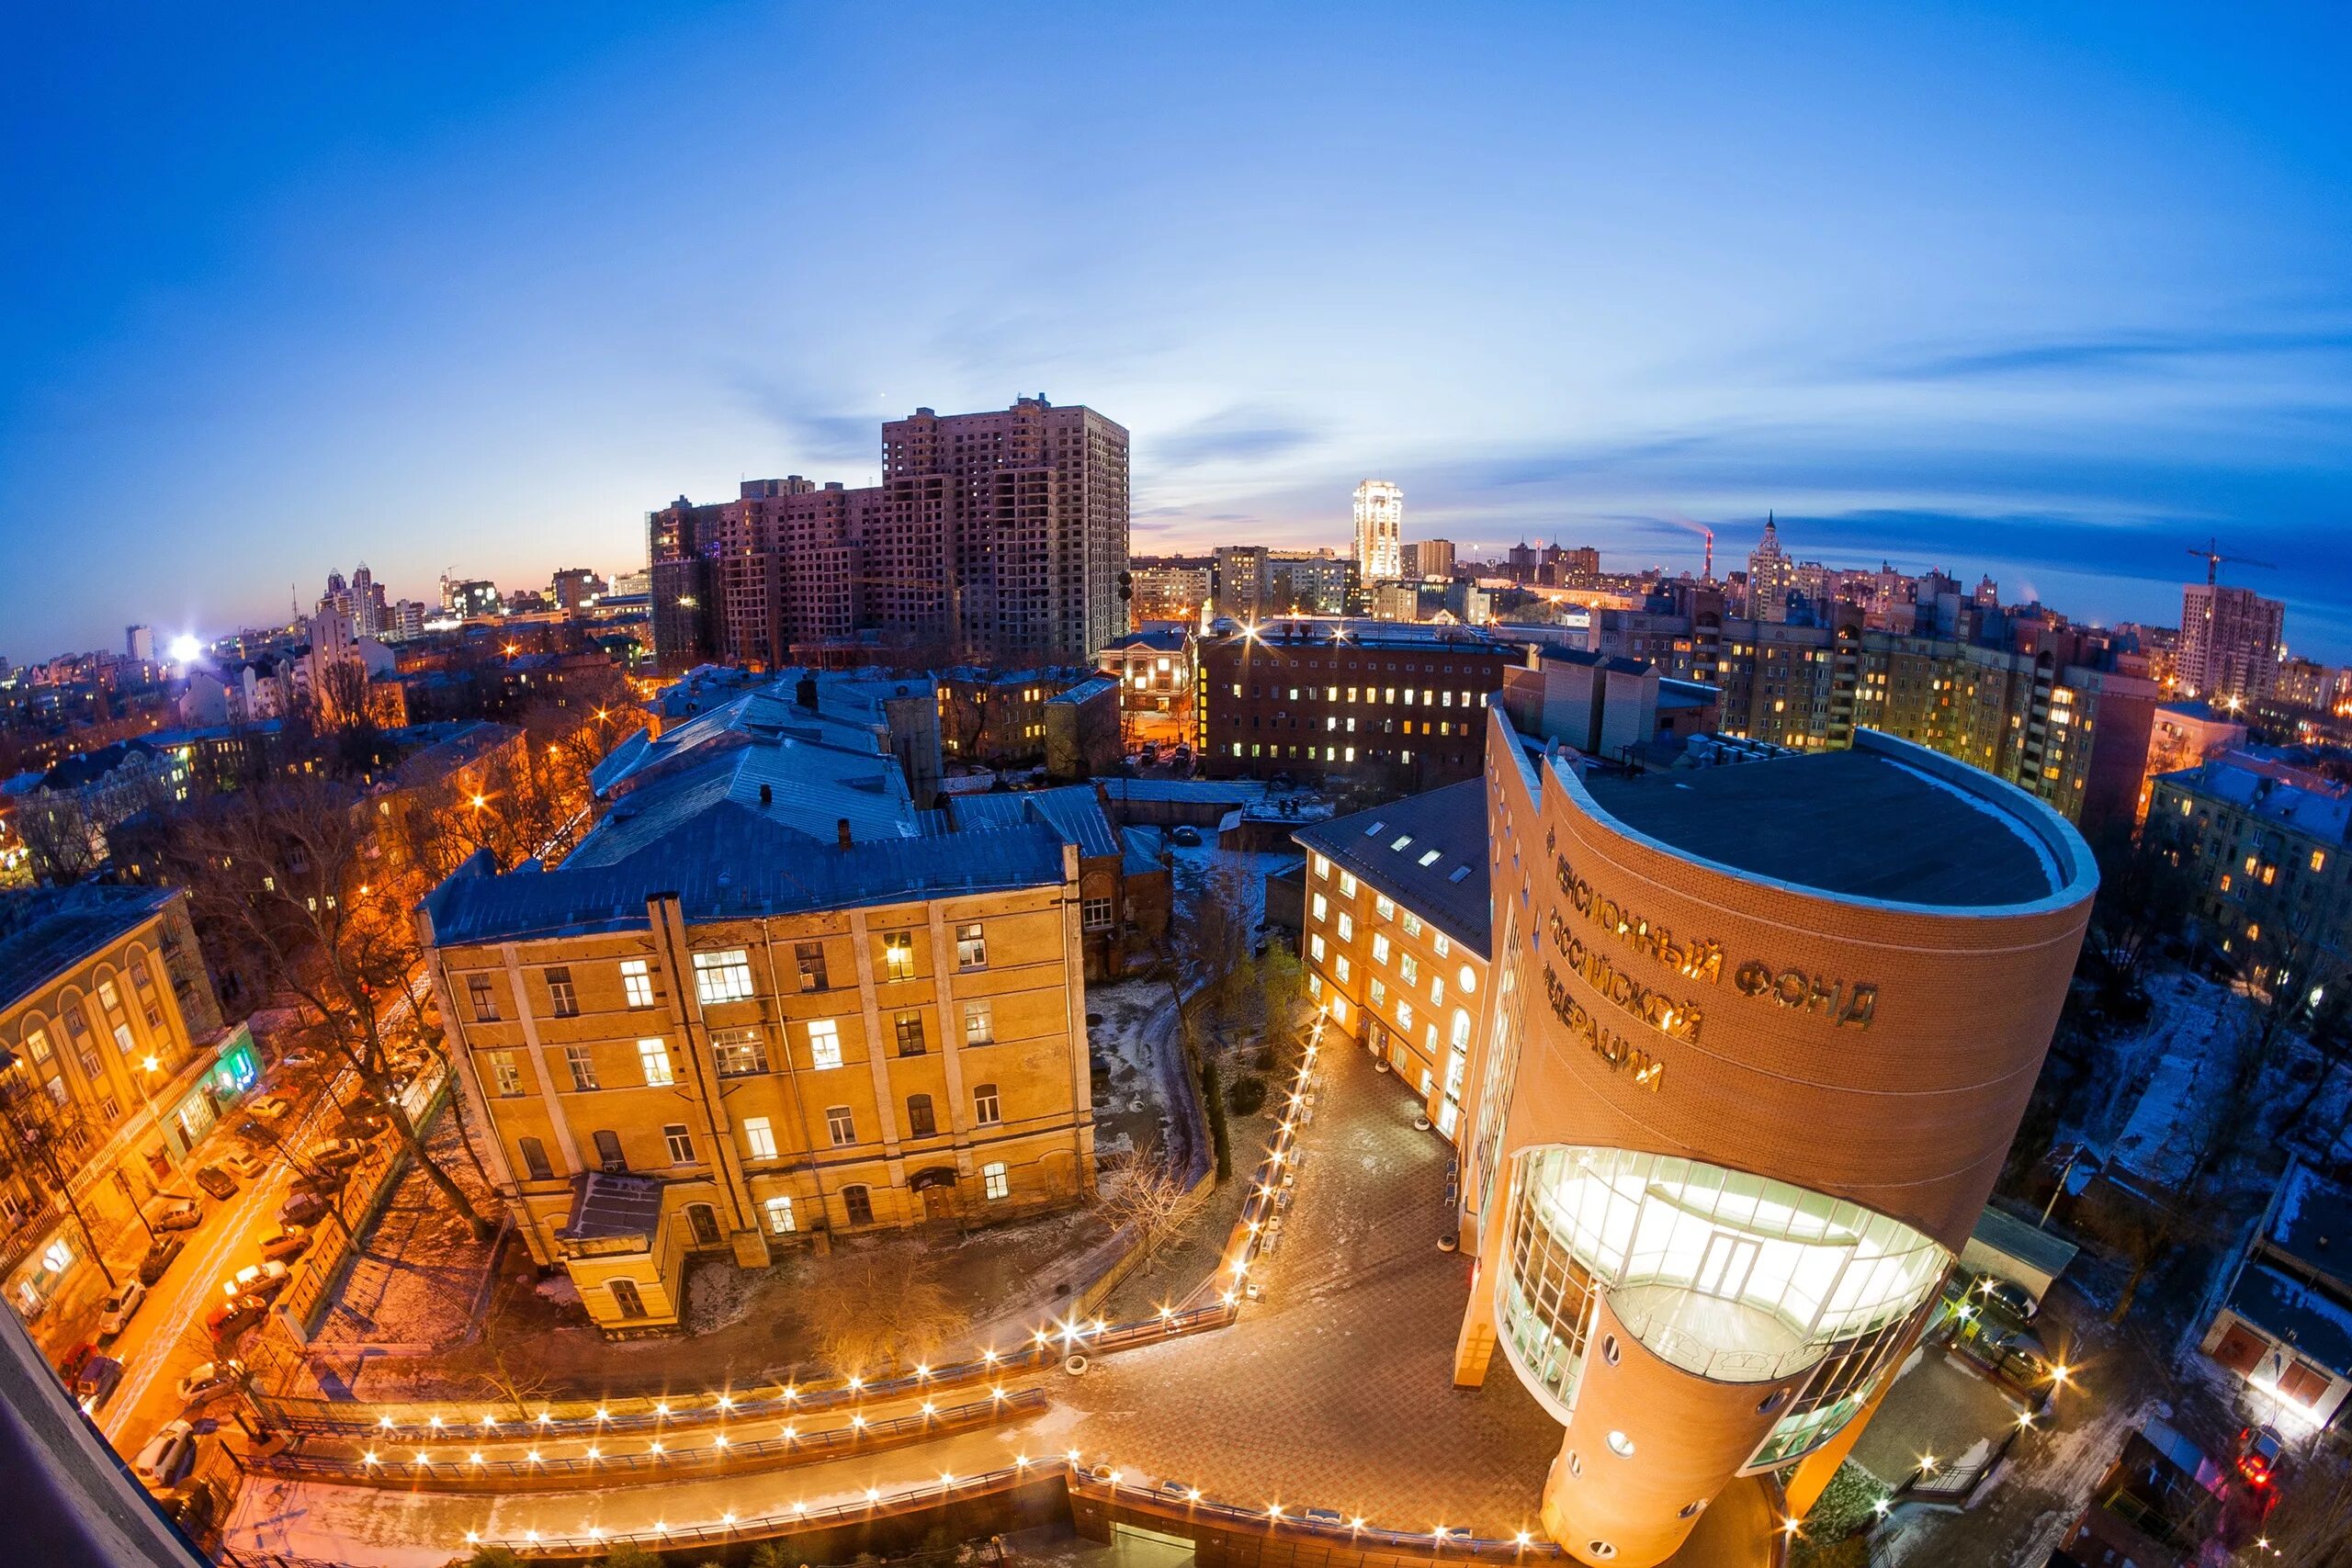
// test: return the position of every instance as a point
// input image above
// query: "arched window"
(920, 1122)
(608, 1150)
(1460, 1030)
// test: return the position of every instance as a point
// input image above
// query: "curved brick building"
(1760, 1035)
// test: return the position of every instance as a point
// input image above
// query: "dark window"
(535, 1159)
(921, 1123)
(984, 1105)
(910, 1027)
(859, 1205)
(627, 1300)
(608, 1150)
(485, 1000)
(561, 999)
(681, 1142)
(705, 1223)
(812, 955)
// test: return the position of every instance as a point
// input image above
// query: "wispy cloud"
(1238, 433)
(808, 431)
(2120, 352)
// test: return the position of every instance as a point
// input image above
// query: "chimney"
(805, 692)
(767, 795)
(841, 828)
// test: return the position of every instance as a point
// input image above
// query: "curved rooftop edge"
(2065, 877)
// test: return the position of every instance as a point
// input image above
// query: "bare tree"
(1152, 1203)
(290, 875)
(867, 1311)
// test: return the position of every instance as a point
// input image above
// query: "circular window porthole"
(1621, 1445)
(1608, 1348)
(1575, 1466)
(1600, 1548)
(1772, 1402)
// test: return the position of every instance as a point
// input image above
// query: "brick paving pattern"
(1354, 1341)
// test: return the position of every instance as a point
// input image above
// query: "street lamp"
(146, 1094)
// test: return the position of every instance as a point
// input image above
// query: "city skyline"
(459, 303)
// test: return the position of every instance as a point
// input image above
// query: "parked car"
(246, 1165)
(322, 1181)
(99, 1376)
(301, 1059)
(169, 1455)
(338, 1153)
(116, 1311)
(195, 1509)
(263, 1280)
(217, 1181)
(70, 1366)
(2258, 1450)
(235, 1315)
(159, 1258)
(208, 1379)
(302, 1208)
(357, 1124)
(180, 1214)
(1184, 834)
(365, 1102)
(271, 1107)
(287, 1241)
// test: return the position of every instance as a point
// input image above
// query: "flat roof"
(1855, 824)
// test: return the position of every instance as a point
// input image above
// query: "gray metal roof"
(1085, 691)
(2313, 1222)
(610, 1206)
(1426, 851)
(1857, 824)
(2315, 1322)
(731, 862)
(46, 931)
(1074, 810)
(1206, 791)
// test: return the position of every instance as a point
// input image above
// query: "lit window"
(1347, 885)
(1441, 944)
(723, 976)
(1380, 947)
(779, 1211)
(1339, 969)
(637, 983)
(994, 1181)
(1408, 969)
(1412, 924)
(824, 1043)
(740, 1053)
(1379, 991)
(1404, 1013)
(971, 947)
(899, 955)
(1466, 979)
(654, 1054)
(759, 1140)
(980, 1023)
(503, 1071)
(1347, 926)
(1384, 905)
(1320, 909)
(1315, 947)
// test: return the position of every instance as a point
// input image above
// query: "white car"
(115, 1314)
(271, 1107)
(246, 1164)
(208, 1379)
(169, 1455)
(262, 1280)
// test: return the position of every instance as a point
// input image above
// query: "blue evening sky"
(2044, 291)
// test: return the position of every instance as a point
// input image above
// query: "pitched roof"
(1085, 691)
(1426, 851)
(728, 861)
(2313, 1222)
(1074, 810)
(46, 931)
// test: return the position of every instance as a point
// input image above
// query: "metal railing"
(460, 1469)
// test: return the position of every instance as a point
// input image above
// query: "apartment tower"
(1380, 532)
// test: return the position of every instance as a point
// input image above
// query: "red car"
(235, 1316)
(2258, 1449)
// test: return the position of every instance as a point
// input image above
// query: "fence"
(1108, 1490)
(466, 1470)
(358, 1205)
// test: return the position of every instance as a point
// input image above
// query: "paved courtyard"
(1355, 1337)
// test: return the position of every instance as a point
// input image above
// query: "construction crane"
(2214, 558)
